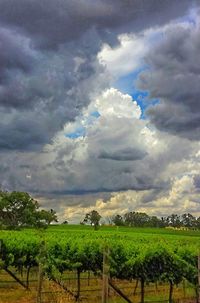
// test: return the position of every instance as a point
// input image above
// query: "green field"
(152, 256)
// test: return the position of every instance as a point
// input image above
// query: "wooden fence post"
(40, 280)
(105, 277)
(42, 257)
(78, 284)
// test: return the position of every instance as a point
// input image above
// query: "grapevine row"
(145, 261)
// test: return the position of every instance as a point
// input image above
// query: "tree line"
(19, 209)
(140, 219)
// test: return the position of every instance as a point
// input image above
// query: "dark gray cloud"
(13, 54)
(48, 67)
(154, 193)
(173, 78)
(123, 155)
(35, 105)
(53, 22)
(197, 182)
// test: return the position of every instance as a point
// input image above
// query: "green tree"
(45, 217)
(19, 209)
(118, 220)
(93, 218)
(141, 219)
(198, 223)
(136, 219)
(174, 220)
(65, 222)
(155, 222)
(188, 220)
(129, 218)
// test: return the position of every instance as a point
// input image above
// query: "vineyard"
(126, 262)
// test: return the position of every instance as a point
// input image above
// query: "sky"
(100, 105)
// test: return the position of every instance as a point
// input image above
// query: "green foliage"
(93, 218)
(139, 219)
(147, 256)
(19, 209)
(118, 220)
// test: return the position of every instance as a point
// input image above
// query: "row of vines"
(147, 260)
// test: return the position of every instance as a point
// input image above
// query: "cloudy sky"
(100, 104)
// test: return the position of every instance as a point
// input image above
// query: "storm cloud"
(173, 77)
(68, 135)
(51, 23)
(124, 155)
(48, 66)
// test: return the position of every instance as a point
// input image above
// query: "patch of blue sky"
(79, 132)
(95, 114)
(126, 85)
(141, 98)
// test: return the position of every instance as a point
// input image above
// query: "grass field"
(127, 232)
(115, 231)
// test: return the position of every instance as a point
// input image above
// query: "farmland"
(160, 259)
